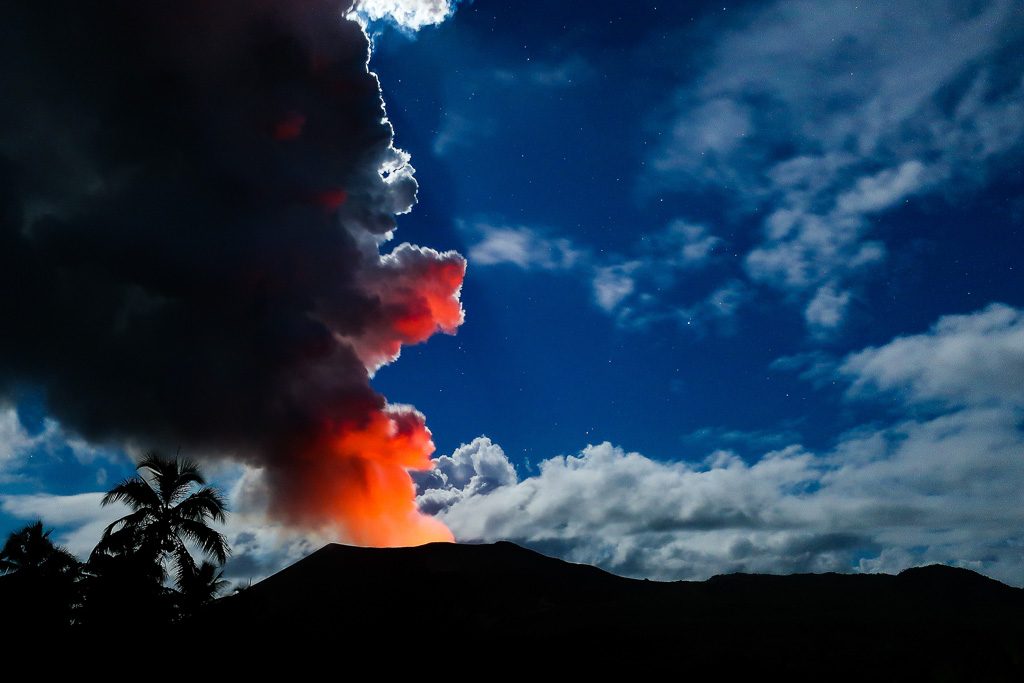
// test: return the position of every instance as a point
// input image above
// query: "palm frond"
(213, 543)
(206, 503)
(188, 472)
(134, 492)
(164, 473)
(122, 535)
(154, 461)
(184, 565)
(186, 478)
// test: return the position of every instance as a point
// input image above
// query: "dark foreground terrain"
(930, 623)
(479, 610)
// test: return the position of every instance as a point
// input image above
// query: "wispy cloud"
(963, 360)
(19, 445)
(875, 105)
(521, 246)
(567, 72)
(458, 131)
(636, 288)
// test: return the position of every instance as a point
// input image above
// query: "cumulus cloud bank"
(940, 487)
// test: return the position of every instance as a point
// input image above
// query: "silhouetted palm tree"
(170, 509)
(31, 550)
(39, 589)
(202, 586)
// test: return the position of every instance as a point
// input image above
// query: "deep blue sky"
(773, 247)
(538, 366)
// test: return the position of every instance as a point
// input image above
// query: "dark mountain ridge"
(937, 622)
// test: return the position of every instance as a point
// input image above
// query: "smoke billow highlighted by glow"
(357, 473)
(408, 14)
(208, 217)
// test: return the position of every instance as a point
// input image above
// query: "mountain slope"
(936, 621)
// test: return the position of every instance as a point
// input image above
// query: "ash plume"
(193, 200)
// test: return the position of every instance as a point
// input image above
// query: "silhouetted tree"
(170, 509)
(39, 587)
(30, 550)
(201, 587)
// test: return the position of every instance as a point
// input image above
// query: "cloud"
(521, 246)
(872, 105)
(639, 288)
(683, 244)
(260, 544)
(79, 518)
(612, 284)
(937, 488)
(476, 468)
(943, 490)
(976, 359)
(880, 191)
(408, 14)
(561, 74)
(827, 309)
(15, 441)
(18, 445)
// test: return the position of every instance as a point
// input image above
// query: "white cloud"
(827, 309)
(720, 306)
(521, 246)
(15, 441)
(939, 488)
(882, 190)
(476, 468)
(409, 14)
(260, 545)
(17, 445)
(638, 289)
(683, 245)
(964, 360)
(612, 284)
(878, 105)
(79, 518)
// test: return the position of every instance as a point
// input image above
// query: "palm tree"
(30, 550)
(40, 590)
(202, 586)
(171, 508)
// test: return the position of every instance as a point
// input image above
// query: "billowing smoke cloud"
(193, 197)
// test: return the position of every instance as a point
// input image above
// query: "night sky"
(743, 293)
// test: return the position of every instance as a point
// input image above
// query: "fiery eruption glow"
(357, 475)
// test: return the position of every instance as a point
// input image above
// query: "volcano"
(933, 622)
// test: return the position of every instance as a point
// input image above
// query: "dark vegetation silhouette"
(142, 571)
(502, 605)
(33, 566)
(929, 623)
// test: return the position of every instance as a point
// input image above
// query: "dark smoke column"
(193, 198)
